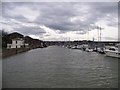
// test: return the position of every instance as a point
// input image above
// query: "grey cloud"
(9, 6)
(57, 19)
(105, 7)
(57, 15)
(30, 30)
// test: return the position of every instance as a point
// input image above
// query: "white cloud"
(34, 36)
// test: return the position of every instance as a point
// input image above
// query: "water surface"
(57, 67)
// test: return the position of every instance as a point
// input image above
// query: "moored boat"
(89, 50)
(113, 52)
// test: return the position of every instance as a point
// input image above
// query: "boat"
(95, 49)
(101, 50)
(77, 47)
(89, 50)
(113, 52)
(84, 46)
(74, 47)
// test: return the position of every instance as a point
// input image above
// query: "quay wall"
(10, 52)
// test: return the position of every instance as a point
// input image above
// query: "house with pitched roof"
(17, 43)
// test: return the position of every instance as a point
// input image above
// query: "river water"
(58, 67)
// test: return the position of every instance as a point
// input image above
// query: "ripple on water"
(60, 67)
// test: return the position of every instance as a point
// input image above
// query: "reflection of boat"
(112, 52)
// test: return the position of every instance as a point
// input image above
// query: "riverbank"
(9, 52)
(13, 51)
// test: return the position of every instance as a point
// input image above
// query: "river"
(58, 67)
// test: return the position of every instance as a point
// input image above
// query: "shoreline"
(10, 52)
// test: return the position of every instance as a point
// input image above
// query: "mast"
(88, 33)
(100, 33)
(93, 39)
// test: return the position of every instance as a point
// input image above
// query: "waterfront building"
(17, 43)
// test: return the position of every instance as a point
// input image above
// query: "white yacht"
(113, 52)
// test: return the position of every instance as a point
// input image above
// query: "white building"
(17, 43)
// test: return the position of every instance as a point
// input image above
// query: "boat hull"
(112, 54)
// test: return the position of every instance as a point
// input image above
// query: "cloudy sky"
(61, 20)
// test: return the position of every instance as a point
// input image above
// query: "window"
(16, 42)
(112, 49)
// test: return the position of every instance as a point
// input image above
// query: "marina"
(59, 45)
(111, 50)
